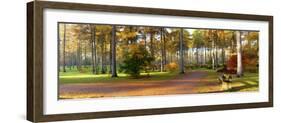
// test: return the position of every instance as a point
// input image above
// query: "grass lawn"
(88, 77)
(249, 82)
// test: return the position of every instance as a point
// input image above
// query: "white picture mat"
(54, 106)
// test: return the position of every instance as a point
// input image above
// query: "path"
(192, 82)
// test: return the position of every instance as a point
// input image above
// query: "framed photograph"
(96, 61)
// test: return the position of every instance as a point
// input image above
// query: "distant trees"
(181, 52)
(93, 49)
(211, 37)
(198, 43)
(102, 49)
(152, 32)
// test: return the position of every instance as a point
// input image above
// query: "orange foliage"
(172, 66)
(246, 61)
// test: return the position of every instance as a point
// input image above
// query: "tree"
(181, 52)
(70, 46)
(198, 42)
(76, 37)
(222, 43)
(210, 36)
(253, 41)
(84, 38)
(124, 36)
(136, 59)
(162, 42)
(93, 49)
(113, 53)
(229, 42)
(152, 31)
(103, 38)
(59, 40)
(64, 42)
(215, 48)
(239, 54)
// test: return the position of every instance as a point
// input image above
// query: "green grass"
(88, 77)
(249, 82)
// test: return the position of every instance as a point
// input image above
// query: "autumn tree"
(198, 43)
(239, 54)
(93, 49)
(136, 59)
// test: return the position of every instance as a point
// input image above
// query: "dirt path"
(192, 82)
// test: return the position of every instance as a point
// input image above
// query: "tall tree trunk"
(102, 55)
(64, 41)
(59, 51)
(210, 55)
(113, 52)
(213, 54)
(239, 54)
(72, 61)
(164, 49)
(151, 46)
(201, 56)
(145, 42)
(216, 60)
(95, 53)
(78, 65)
(171, 57)
(190, 55)
(233, 42)
(75, 60)
(93, 48)
(85, 54)
(197, 56)
(162, 52)
(223, 55)
(186, 54)
(181, 52)
(205, 57)
(110, 54)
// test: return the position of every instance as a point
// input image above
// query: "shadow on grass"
(245, 85)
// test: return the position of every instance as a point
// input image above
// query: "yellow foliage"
(172, 66)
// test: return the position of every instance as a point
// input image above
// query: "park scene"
(103, 60)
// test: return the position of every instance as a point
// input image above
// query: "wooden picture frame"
(35, 62)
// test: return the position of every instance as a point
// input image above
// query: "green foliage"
(136, 59)
(198, 38)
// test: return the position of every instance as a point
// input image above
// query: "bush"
(136, 59)
(172, 67)
(249, 63)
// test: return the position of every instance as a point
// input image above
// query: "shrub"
(172, 67)
(136, 59)
(249, 63)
